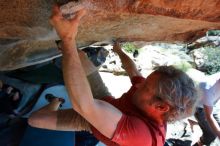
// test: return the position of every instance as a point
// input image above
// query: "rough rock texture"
(26, 36)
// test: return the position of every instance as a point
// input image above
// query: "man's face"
(144, 95)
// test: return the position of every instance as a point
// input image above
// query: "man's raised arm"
(127, 63)
(75, 79)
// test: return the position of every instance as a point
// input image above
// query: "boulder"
(27, 38)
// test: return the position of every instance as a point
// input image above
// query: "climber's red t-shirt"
(133, 129)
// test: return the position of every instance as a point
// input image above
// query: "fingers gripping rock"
(69, 10)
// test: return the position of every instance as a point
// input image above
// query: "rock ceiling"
(27, 38)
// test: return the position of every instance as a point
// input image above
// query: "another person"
(10, 98)
(207, 114)
(138, 118)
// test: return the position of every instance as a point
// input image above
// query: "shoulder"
(132, 131)
(137, 79)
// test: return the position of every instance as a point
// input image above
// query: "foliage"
(129, 47)
(212, 59)
(183, 65)
(213, 32)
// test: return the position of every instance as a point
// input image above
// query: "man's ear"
(162, 107)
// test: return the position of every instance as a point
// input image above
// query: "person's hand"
(66, 29)
(116, 47)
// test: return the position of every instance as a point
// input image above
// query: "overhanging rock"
(26, 37)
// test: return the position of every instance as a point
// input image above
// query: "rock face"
(27, 38)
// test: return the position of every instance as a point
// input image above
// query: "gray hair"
(178, 90)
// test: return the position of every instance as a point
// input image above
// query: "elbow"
(33, 120)
(37, 119)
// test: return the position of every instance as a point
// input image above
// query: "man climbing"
(138, 118)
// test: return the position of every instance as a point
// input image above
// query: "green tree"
(129, 47)
(212, 59)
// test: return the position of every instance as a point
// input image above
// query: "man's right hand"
(66, 28)
(117, 47)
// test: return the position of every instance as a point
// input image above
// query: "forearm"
(211, 120)
(214, 125)
(128, 64)
(62, 120)
(75, 78)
